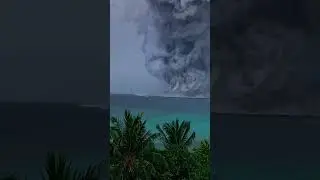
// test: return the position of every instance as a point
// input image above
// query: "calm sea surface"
(158, 110)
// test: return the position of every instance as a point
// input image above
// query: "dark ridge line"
(44, 105)
(39, 103)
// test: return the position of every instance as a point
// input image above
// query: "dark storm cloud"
(267, 55)
(54, 51)
(183, 56)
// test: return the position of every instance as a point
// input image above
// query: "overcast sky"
(54, 51)
(128, 73)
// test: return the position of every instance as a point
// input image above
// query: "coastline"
(159, 96)
(228, 107)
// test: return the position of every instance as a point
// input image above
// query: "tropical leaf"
(176, 135)
(202, 153)
(58, 167)
(177, 138)
(132, 144)
(91, 173)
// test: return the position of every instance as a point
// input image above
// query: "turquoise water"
(158, 110)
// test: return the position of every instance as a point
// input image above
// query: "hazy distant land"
(216, 106)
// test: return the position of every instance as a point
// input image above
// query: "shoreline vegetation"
(134, 155)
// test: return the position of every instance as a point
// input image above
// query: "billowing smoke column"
(177, 46)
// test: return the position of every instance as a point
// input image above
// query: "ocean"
(158, 110)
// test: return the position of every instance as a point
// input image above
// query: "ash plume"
(177, 46)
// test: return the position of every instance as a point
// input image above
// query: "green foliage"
(131, 148)
(175, 161)
(202, 154)
(58, 167)
(175, 135)
(177, 138)
(133, 155)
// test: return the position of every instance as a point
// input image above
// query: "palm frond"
(132, 148)
(176, 134)
(91, 173)
(58, 167)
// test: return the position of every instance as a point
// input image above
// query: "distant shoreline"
(167, 96)
(217, 109)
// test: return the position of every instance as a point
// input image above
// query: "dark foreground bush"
(134, 156)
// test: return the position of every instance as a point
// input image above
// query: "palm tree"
(58, 167)
(177, 138)
(131, 148)
(176, 135)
